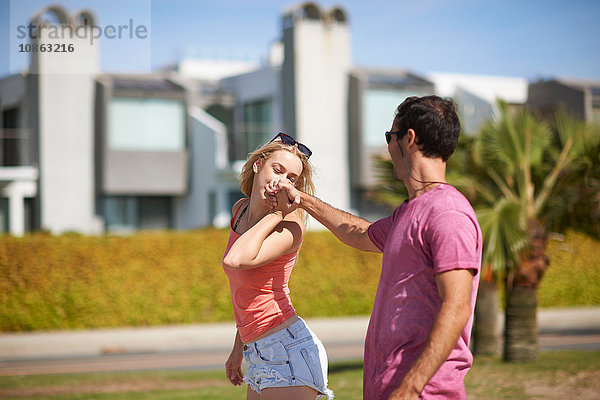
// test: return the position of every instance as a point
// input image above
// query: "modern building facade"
(95, 152)
(374, 95)
(579, 97)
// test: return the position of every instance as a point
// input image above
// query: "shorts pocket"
(311, 357)
(274, 354)
(249, 355)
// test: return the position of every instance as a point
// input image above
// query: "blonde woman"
(285, 359)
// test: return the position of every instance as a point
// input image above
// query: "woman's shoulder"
(238, 205)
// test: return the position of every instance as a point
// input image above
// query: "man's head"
(434, 121)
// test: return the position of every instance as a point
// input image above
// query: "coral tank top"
(260, 296)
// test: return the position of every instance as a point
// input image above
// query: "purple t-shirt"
(432, 233)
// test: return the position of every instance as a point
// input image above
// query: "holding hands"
(282, 196)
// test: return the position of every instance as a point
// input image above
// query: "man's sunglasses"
(388, 135)
(290, 141)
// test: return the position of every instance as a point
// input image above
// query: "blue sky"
(531, 39)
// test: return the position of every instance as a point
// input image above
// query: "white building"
(81, 150)
(477, 95)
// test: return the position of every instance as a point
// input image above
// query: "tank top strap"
(239, 208)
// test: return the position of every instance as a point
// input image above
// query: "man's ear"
(411, 138)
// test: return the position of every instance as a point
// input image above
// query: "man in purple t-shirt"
(417, 344)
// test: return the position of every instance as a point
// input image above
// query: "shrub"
(151, 278)
(74, 281)
(574, 273)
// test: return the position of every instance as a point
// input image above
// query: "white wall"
(489, 88)
(213, 70)
(321, 65)
(66, 136)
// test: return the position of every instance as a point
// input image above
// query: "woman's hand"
(271, 194)
(282, 196)
(233, 367)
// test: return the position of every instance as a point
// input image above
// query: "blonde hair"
(304, 182)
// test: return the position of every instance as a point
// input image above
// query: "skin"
(454, 286)
(266, 234)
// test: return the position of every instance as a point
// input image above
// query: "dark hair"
(434, 121)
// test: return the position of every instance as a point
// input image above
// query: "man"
(418, 336)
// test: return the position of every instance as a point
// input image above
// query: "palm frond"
(504, 236)
(585, 136)
(390, 190)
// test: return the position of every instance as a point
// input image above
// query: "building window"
(154, 212)
(472, 111)
(128, 213)
(212, 205)
(225, 115)
(29, 214)
(379, 110)
(146, 124)
(4, 215)
(257, 124)
(15, 144)
(119, 213)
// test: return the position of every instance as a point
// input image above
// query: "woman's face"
(280, 165)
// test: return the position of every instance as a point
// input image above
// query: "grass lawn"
(557, 375)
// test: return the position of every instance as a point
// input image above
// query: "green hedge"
(573, 278)
(73, 281)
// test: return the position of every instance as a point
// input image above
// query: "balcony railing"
(16, 148)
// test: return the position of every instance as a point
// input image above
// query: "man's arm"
(455, 288)
(348, 228)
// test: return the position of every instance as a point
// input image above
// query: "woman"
(285, 359)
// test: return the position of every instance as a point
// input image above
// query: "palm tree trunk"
(520, 325)
(486, 339)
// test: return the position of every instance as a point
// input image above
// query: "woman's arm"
(233, 366)
(271, 237)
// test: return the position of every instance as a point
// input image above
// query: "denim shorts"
(293, 356)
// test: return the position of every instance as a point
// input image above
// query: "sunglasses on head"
(290, 141)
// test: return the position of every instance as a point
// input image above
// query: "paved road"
(210, 360)
(208, 346)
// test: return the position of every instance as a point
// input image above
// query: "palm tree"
(577, 201)
(527, 162)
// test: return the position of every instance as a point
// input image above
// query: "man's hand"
(404, 393)
(282, 196)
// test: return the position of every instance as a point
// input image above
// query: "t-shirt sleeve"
(455, 242)
(379, 230)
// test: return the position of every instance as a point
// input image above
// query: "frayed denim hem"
(263, 376)
(327, 393)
